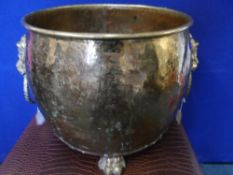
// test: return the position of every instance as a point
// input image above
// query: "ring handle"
(194, 62)
(21, 67)
(194, 48)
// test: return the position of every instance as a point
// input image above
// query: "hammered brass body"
(111, 95)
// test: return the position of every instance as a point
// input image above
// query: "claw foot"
(111, 165)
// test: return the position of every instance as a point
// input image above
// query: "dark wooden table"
(39, 152)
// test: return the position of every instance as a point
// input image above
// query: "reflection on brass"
(109, 78)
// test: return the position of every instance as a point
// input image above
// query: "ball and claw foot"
(111, 165)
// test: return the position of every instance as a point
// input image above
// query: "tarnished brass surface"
(111, 95)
